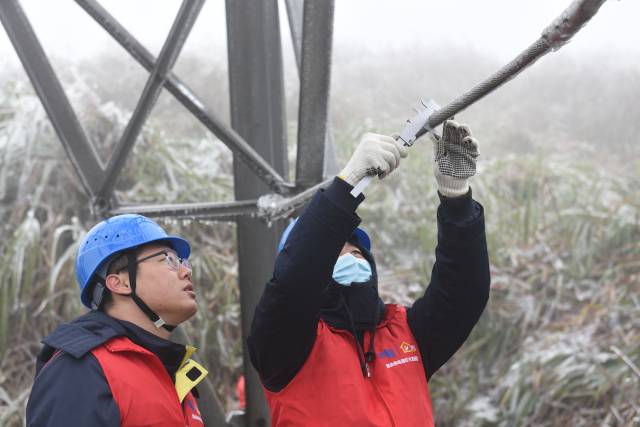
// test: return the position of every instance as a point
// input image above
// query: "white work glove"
(455, 155)
(374, 155)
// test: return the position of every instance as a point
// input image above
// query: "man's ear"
(118, 283)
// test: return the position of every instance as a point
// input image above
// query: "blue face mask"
(349, 269)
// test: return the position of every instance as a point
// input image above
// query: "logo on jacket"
(195, 413)
(408, 348)
(387, 352)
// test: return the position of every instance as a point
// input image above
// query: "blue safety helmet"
(115, 235)
(359, 235)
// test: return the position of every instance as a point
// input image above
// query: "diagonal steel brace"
(173, 45)
(189, 100)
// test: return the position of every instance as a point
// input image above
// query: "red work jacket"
(142, 388)
(330, 389)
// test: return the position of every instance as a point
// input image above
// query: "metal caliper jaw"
(420, 121)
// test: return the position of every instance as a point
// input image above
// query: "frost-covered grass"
(44, 214)
(559, 343)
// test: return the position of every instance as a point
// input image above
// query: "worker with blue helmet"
(114, 364)
(328, 350)
(111, 238)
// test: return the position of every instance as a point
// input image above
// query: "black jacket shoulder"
(70, 387)
(71, 391)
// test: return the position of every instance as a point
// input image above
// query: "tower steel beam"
(241, 149)
(269, 207)
(314, 91)
(256, 91)
(180, 30)
(311, 26)
(295, 13)
(221, 211)
(80, 151)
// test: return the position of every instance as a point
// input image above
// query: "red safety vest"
(142, 388)
(331, 391)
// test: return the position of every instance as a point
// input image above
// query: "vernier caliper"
(414, 128)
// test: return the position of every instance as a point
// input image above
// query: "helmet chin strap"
(131, 269)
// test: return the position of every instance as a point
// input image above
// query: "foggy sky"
(497, 28)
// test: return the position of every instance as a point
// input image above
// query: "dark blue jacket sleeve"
(284, 325)
(443, 318)
(72, 392)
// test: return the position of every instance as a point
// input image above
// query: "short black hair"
(119, 263)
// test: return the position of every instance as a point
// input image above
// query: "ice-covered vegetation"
(559, 343)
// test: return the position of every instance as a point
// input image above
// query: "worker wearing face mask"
(328, 350)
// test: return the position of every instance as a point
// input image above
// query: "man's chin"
(191, 311)
(185, 314)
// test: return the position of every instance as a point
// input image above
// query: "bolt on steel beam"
(178, 34)
(79, 148)
(272, 207)
(241, 149)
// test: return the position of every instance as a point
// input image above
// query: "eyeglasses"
(173, 262)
